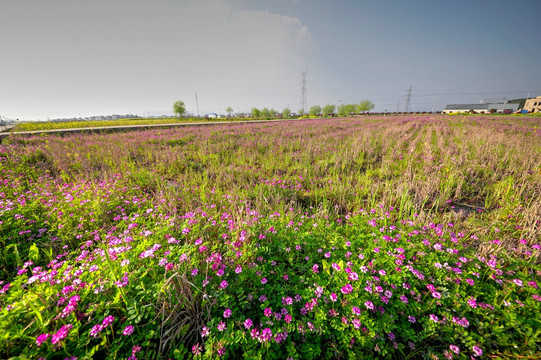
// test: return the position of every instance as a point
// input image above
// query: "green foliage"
(315, 110)
(364, 106)
(107, 231)
(328, 110)
(347, 109)
(179, 108)
(255, 112)
(286, 113)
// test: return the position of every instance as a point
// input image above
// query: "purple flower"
(266, 335)
(369, 305)
(108, 321)
(436, 294)
(333, 297)
(196, 349)
(454, 349)
(348, 289)
(264, 281)
(287, 300)
(353, 276)
(227, 313)
(96, 329)
(41, 339)
(267, 312)
(412, 319)
(224, 284)
(205, 331)
(477, 351)
(61, 334)
(128, 330)
(248, 323)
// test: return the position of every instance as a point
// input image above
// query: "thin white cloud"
(63, 57)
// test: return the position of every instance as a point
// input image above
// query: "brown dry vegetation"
(481, 173)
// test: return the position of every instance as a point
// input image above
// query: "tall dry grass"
(481, 173)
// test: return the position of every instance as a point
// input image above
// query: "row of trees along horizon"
(342, 110)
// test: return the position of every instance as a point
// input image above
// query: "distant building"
(484, 107)
(533, 105)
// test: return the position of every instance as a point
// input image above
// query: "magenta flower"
(61, 334)
(267, 312)
(196, 349)
(369, 305)
(108, 321)
(205, 331)
(227, 313)
(454, 349)
(348, 289)
(96, 329)
(477, 351)
(221, 326)
(248, 323)
(517, 282)
(264, 281)
(436, 294)
(333, 297)
(353, 276)
(288, 318)
(315, 268)
(266, 335)
(223, 285)
(287, 300)
(128, 330)
(41, 339)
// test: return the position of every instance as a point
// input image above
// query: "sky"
(80, 58)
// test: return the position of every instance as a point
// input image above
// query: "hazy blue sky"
(62, 58)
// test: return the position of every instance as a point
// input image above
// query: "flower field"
(361, 238)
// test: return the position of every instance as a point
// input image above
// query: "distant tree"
(179, 108)
(265, 112)
(364, 106)
(229, 110)
(315, 110)
(301, 112)
(328, 110)
(255, 112)
(286, 113)
(342, 111)
(272, 112)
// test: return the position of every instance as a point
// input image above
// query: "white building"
(484, 107)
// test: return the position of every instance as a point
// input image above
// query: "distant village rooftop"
(483, 107)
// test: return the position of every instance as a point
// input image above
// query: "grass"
(142, 217)
(50, 125)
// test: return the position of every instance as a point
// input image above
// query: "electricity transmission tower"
(303, 91)
(407, 105)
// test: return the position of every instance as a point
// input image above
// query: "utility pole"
(434, 104)
(303, 91)
(397, 106)
(197, 104)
